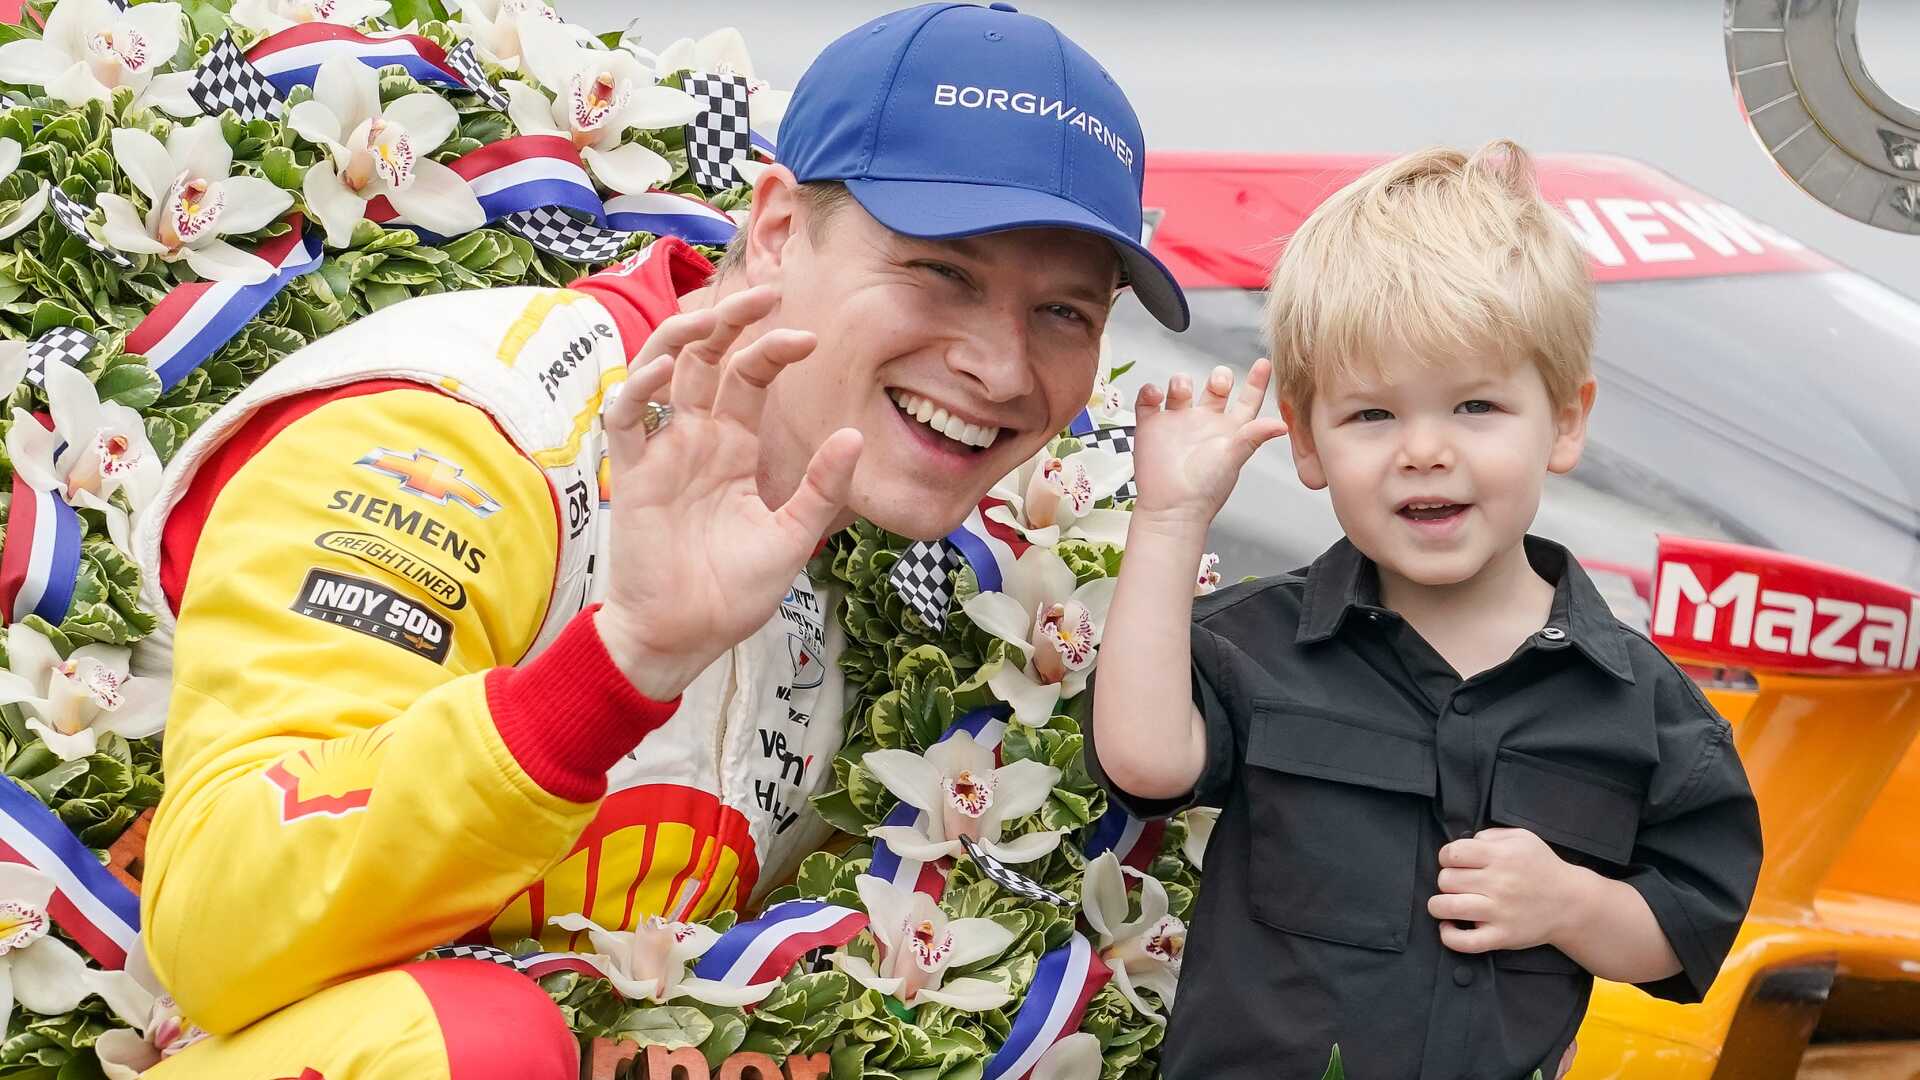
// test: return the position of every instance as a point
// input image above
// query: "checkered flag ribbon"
(466, 64)
(226, 79)
(721, 133)
(1009, 879)
(63, 344)
(1120, 441)
(473, 952)
(72, 213)
(557, 232)
(924, 579)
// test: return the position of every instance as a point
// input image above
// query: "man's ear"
(1570, 429)
(778, 217)
(1306, 455)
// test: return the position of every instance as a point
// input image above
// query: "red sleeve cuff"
(570, 713)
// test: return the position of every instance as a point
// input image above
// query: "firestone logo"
(1779, 613)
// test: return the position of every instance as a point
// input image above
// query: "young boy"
(1453, 788)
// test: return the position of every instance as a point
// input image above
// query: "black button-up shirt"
(1344, 752)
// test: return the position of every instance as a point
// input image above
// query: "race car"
(1749, 497)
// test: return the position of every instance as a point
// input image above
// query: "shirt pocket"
(1588, 819)
(1337, 807)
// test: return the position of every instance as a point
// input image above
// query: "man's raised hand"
(1188, 452)
(698, 560)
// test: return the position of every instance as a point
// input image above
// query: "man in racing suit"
(459, 646)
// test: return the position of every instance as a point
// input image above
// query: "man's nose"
(994, 353)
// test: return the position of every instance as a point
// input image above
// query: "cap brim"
(936, 210)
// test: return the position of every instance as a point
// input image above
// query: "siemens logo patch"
(1027, 103)
(376, 611)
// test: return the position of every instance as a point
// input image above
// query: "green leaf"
(48, 784)
(1334, 1069)
(133, 384)
(671, 1026)
(282, 168)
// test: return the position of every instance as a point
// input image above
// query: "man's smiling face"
(957, 359)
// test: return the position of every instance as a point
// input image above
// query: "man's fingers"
(823, 492)
(697, 375)
(625, 416)
(1470, 939)
(1147, 402)
(1467, 854)
(743, 385)
(1460, 907)
(674, 333)
(1179, 392)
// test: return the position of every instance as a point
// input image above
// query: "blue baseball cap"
(951, 120)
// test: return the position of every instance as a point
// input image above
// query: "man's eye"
(1372, 415)
(943, 270)
(1065, 311)
(1475, 407)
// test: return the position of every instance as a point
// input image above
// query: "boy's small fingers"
(1179, 392)
(1454, 880)
(1460, 907)
(1219, 389)
(1253, 392)
(1478, 938)
(1259, 432)
(1466, 854)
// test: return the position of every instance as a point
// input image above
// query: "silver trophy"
(1817, 111)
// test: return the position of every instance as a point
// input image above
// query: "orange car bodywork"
(1824, 980)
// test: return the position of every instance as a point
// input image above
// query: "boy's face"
(1435, 470)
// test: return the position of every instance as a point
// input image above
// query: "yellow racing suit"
(393, 724)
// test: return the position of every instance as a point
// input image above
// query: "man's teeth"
(936, 418)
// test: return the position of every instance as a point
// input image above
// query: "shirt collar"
(1343, 580)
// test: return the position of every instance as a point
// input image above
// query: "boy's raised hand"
(1188, 451)
(1500, 889)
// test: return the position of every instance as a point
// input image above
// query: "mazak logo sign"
(1759, 609)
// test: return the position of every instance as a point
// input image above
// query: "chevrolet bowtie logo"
(421, 473)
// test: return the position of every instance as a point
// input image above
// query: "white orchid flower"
(70, 702)
(963, 794)
(38, 970)
(600, 93)
(95, 448)
(917, 944)
(377, 150)
(724, 52)
(29, 210)
(1143, 952)
(273, 16)
(1053, 627)
(91, 48)
(1049, 497)
(494, 27)
(1208, 579)
(649, 962)
(1076, 1057)
(194, 200)
(158, 1030)
(1105, 404)
(1200, 823)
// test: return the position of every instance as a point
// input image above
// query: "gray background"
(1645, 78)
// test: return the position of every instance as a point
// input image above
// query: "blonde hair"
(1438, 255)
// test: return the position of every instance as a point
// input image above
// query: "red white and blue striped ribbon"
(40, 559)
(1132, 841)
(988, 546)
(88, 902)
(293, 56)
(987, 726)
(1065, 981)
(764, 949)
(195, 319)
(525, 172)
(664, 213)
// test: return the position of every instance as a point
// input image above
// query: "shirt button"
(1462, 704)
(1554, 633)
(1462, 975)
